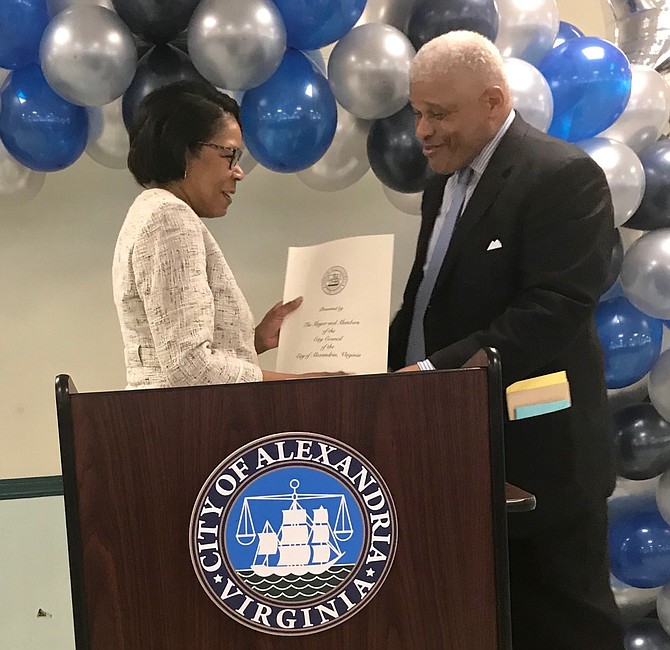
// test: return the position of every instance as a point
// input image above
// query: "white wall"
(57, 313)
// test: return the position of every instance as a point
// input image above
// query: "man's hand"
(413, 368)
(267, 331)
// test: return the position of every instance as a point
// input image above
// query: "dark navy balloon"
(640, 549)
(615, 261)
(430, 18)
(590, 81)
(395, 153)
(289, 121)
(631, 341)
(21, 25)
(641, 441)
(38, 127)
(157, 21)
(162, 65)
(311, 25)
(646, 634)
(566, 32)
(654, 210)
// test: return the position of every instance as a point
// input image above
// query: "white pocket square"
(494, 244)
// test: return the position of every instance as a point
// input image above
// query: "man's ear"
(494, 97)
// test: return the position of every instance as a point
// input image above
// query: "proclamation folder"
(352, 512)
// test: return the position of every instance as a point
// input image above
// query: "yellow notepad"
(538, 395)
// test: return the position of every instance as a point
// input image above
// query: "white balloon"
(407, 203)
(659, 386)
(108, 142)
(646, 113)
(18, 184)
(633, 603)
(346, 160)
(391, 12)
(624, 173)
(527, 28)
(56, 6)
(247, 162)
(530, 93)
(663, 608)
(663, 495)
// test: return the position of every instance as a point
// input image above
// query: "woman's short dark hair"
(170, 121)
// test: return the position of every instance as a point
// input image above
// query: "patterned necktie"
(416, 346)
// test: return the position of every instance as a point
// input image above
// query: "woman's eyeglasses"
(233, 154)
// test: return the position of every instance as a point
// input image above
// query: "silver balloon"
(624, 173)
(645, 273)
(659, 388)
(236, 44)
(345, 161)
(646, 113)
(530, 92)
(88, 55)
(407, 203)
(56, 6)
(641, 29)
(391, 12)
(368, 70)
(107, 136)
(633, 603)
(18, 184)
(527, 29)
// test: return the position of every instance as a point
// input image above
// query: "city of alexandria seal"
(293, 533)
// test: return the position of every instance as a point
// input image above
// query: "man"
(526, 257)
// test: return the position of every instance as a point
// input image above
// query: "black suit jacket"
(533, 298)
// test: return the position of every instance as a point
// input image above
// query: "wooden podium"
(134, 463)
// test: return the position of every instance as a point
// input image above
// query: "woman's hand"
(267, 331)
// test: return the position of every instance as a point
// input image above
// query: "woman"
(183, 318)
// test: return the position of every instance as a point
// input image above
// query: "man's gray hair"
(460, 50)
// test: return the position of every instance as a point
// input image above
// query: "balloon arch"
(75, 70)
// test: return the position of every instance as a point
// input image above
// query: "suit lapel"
(492, 181)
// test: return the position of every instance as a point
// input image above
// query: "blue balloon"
(38, 127)
(566, 32)
(289, 121)
(311, 25)
(631, 341)
(654, 210)
(590, 81)
(640, 549)
(21, 25)
(430, 18)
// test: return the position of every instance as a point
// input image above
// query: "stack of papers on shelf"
(538, 396)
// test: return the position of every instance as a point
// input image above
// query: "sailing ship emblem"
(282, 536)
(303, 544)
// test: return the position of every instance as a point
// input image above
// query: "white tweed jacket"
(184, 320)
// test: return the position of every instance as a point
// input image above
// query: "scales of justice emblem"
(303, 544)
(293, 533)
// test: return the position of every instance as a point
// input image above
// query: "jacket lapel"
(489, 186)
